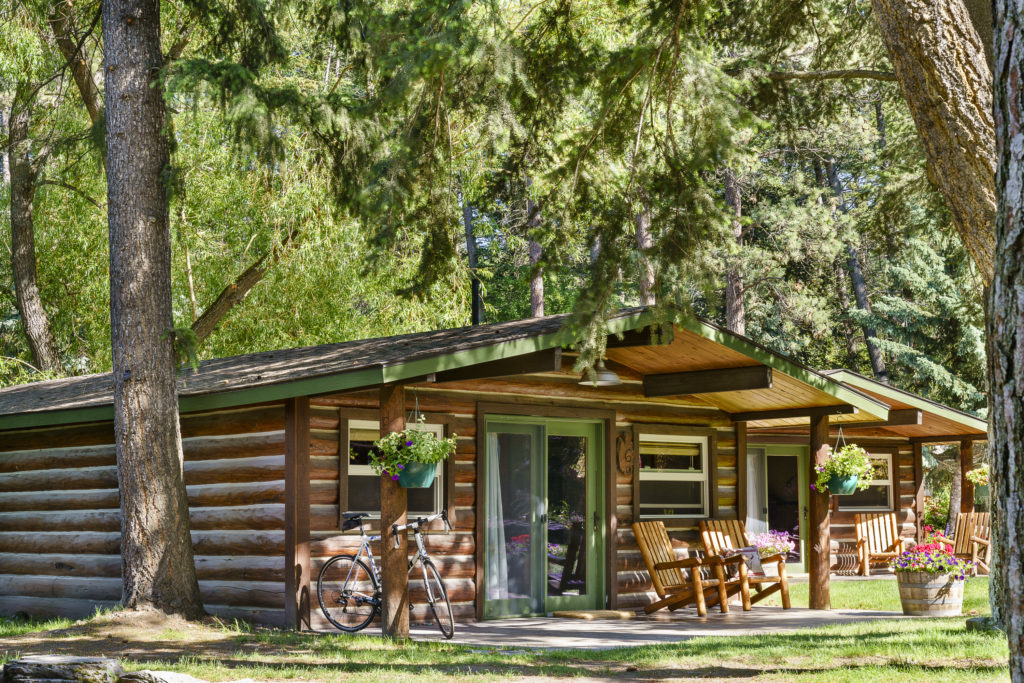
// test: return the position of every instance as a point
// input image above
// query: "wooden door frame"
(545, 412)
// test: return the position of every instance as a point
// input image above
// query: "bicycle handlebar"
(418, 523)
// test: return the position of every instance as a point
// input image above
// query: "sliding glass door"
(543, 511)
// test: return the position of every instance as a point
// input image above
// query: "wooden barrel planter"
(924, 594)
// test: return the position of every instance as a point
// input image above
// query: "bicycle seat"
(353, 519)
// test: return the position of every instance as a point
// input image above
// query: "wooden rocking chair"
(878, 539)
(674, 588)
(971, 538)
(719, 535)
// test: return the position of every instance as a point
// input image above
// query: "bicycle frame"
(419, 557)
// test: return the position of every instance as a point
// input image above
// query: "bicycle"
(348, 587)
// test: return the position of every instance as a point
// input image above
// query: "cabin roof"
(316, 370)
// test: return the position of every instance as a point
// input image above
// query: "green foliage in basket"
(979, 475)
(850, 460)
(392, 452)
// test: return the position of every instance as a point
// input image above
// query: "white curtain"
(497, 562)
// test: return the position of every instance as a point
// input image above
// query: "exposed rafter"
(789, 413)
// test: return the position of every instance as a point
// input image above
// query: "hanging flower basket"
(839, 485)
(410, 457)
(846, 470)
(417, 475)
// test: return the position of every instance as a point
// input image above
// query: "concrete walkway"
(551, 633)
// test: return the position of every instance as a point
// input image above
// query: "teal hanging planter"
(842, 486)
(417, 475)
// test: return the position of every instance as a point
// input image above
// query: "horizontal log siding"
(60, 519)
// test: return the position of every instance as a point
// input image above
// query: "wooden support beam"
(818, 523)
(786, 413)
(652, 335)
(708, 381)
(949, 438)
(394, 509)
(741, 471)
(897, 418)
(919, 489)
(967, 486)
(548, 360)
(296, 513)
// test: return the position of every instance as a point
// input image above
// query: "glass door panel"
(567, 515)
(512, 511)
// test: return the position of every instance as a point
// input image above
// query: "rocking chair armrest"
(773, 558)
(713, 560)
(942, 537)
(980, 541)
(678, 564)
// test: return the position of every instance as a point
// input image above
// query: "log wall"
(60, 519)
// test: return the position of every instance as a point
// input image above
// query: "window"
(364, 485)
(673, 476)
(878, 494)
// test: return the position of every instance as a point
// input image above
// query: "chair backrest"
(970, 524)
(879, 530)
(721, 534)
(656, 547)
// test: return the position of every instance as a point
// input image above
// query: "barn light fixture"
(602, 377)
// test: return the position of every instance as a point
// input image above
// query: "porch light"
(603, 377)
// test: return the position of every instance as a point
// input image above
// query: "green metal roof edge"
(907, 397)
(873, 408)
(325, 384)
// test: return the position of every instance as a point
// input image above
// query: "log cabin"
(694, 422)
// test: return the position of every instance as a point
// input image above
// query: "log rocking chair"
(721, 535)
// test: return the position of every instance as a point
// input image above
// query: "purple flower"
(408, 443)
(401, 466)
(813, 487)
(394, 477)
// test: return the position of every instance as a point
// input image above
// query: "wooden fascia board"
(871, 408)
(949, 438)
(708, 381)
(914, 400)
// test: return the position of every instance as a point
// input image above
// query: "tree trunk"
(60, 19)
(156, 548)
(940, 63)
(5, 167)
(644, 242)
(860, 293)
(844, 304)
(24, 176)
(1006, 331)
(533, 219)
(735, 309)
(476, 302)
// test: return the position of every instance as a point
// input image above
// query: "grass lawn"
(891, 650)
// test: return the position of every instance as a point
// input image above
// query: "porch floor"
(551, 633)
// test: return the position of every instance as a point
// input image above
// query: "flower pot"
(417, 475)
(925, 594)
(842, 486)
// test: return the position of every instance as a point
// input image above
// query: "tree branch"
(836, 74)
(72, 188)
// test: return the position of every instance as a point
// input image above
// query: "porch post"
(966, 485)
(296, 513)
(919, 490)
(820, 538)
(393, 510)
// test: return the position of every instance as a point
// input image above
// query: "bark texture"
(940, 64)
(25, 165)
(1006, 331)
(644, 242)
(735, 309)
(156, 548)
(61, 23)
(476, 300)
(533, 219)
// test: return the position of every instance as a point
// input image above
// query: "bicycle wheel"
(347, 591)
(437, 596)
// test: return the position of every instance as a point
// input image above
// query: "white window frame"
(888, 483)
(366, 470)
(677, 475)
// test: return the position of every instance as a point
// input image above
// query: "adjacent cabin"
(550, 472)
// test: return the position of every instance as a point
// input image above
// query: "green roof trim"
(53, 418)
(870, 408)
(891, 392)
